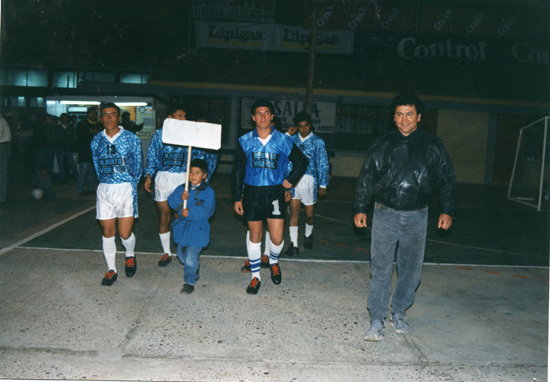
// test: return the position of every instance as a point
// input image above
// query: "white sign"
(190, 133)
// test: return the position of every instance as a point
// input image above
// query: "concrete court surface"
(470, 322)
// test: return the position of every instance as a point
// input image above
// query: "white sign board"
(323, 114)
(190, 133)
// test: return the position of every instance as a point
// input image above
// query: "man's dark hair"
(172, 108)
(262, 103)
(200, 163)
(107, 105)
(126, 114)
(302, 116)
(406, 99)
(91, 109)
(64, 115)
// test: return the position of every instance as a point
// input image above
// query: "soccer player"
(168, 164)
(117, 159)
(314, 180)
(259, 187)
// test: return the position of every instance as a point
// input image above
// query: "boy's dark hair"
(172, 108)
(200, 163)
(406, 99)
(302, 116)
(262, 103)
(42, 168)
(106, 105)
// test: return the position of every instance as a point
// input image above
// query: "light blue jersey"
(314, 149)
(266, 164)
(169, 158)
(118, 159)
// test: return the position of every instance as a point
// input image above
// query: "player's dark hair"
(200, 163)
(407, 99)
(172, 108)
(107, 105)
(302, 116)
(262, 103)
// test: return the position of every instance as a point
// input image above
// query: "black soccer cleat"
(264, 261)
(292, 251)
(246, 267)
(130, 266)
(275, 273)
(165, 260)
(308, 242)
(254, 286)
(110, 278)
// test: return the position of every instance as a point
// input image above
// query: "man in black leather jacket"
(399, 173)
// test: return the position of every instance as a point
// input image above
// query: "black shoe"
(292, 251)
(264, 261)
(308, 242)
(165, 260)
(110, 278)
(246, 267)
(254, 286)
(130, 266)
(187, 288)
(275, 273)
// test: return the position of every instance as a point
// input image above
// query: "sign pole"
(187, 174)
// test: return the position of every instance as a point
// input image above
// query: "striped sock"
(275, 252)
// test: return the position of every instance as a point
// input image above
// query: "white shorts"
(114, 201)
(304, 190)
(166, 182)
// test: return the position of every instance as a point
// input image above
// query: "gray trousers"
(390, 227)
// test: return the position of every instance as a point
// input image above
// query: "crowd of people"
(271, 169)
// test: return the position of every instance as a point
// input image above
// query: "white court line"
(292, 260)
(39, 233)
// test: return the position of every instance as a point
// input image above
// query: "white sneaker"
(375, 332)
(398, 322)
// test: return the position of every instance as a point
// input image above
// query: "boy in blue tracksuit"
(191, 231)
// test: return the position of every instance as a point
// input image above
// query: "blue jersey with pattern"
(266, 165)
(163, 157)
(314, 149)
(118, 159)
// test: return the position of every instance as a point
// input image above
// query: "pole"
(187, 174)
(311, 61)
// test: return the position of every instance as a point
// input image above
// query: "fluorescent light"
(131, 103)
(79, 102)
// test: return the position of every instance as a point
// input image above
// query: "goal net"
(531, 172)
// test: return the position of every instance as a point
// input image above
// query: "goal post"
(530, 174)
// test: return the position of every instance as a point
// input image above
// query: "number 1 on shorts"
(276, 210)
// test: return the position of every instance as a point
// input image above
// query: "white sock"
(267, 243)
(165, 241)
(109, 251)
(275, 252)
(309, 230)
(254, 255)
(129, 244)
(293, 235)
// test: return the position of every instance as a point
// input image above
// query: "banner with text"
(270, 37)
(322, 113)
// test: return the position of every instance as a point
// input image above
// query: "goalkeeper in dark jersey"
(259, 186)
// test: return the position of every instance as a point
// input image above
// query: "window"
(64, 79)
(37, 78)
